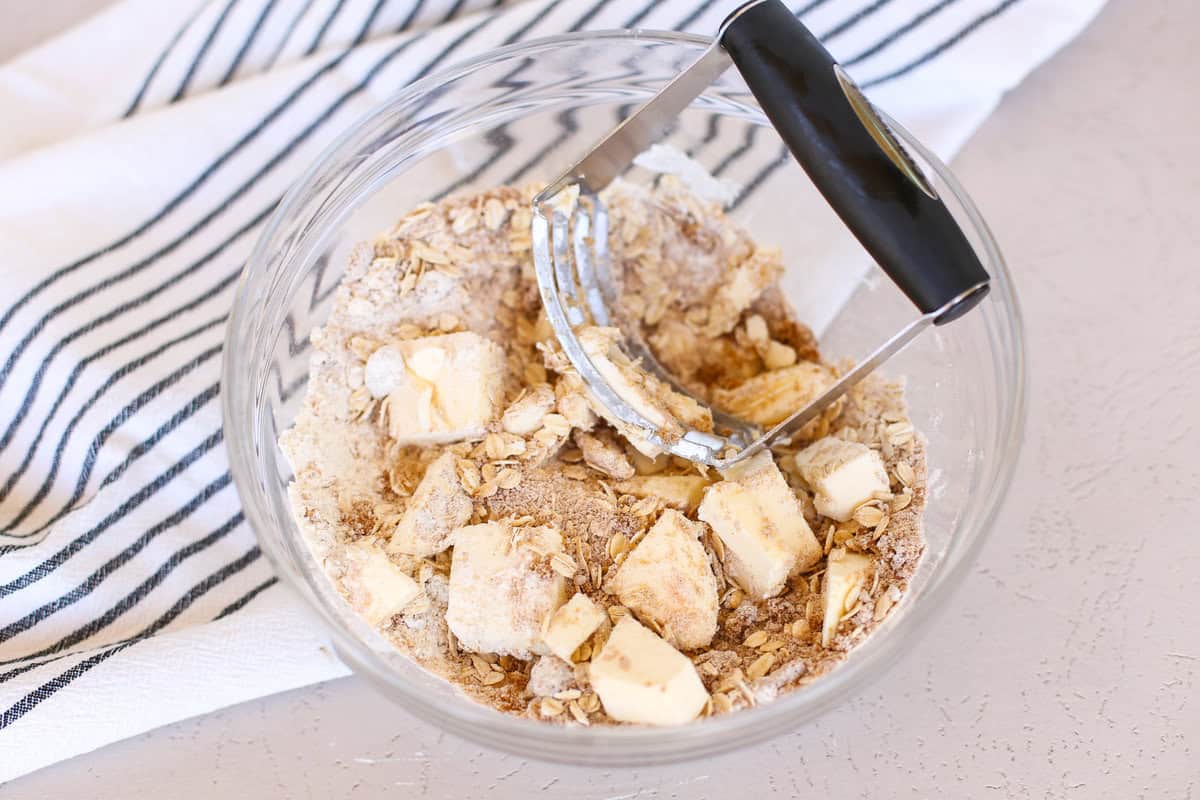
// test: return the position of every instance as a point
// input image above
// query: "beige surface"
(25, 23)
(1069, 666)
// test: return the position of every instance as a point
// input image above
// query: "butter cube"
(526, 413)
(773, 396)
(442, 388)
(572, 624)
(846, 573)
(640, 678)
(843, 475)
(436, 508)
(681, 492)
(375, 587)
(761, 524)
(502, 588)
(667, 579)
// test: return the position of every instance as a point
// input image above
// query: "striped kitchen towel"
(139, 156)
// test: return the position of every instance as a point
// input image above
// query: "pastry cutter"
(849, 153)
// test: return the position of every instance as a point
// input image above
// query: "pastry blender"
(850, 155)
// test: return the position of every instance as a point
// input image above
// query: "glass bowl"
(525, 113)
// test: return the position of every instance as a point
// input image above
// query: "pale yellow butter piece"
(572, 624)
(844, 572)
(843, 475)
(502, 590)
(771, 397)
(376, 588)
(761, 523)
(450, 388)
(640, 678)
(667, 580)
(681, 492)
(436, 508)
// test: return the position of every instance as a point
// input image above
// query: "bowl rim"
(608, 745)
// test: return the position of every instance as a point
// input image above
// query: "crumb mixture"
(470, 502)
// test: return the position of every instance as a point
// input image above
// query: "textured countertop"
(1069, 665)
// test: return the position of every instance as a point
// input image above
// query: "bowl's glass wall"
(524, 115)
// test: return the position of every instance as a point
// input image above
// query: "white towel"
(139, 154)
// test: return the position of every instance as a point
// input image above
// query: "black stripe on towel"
(158, 62)
(180, 556)
(178, 418)
(287, 35)
(247, 43)
(116, 375)
(943, 46)
(200, 180)
(852, 20)
(236, 605)
(174, 421)
(365, 30)
(63, 554)
(114, 563)
(109, 428)
(316, 42)
(899, 33)
(203, 51)
(128, 305)
(251, 135)
(241, 602)
(49, 688)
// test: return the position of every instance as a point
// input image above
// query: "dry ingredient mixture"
(469, 501)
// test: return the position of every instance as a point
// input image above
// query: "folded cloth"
(140, 153)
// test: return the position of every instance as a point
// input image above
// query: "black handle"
(853, 159)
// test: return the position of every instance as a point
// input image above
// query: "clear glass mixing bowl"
(525, 113)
